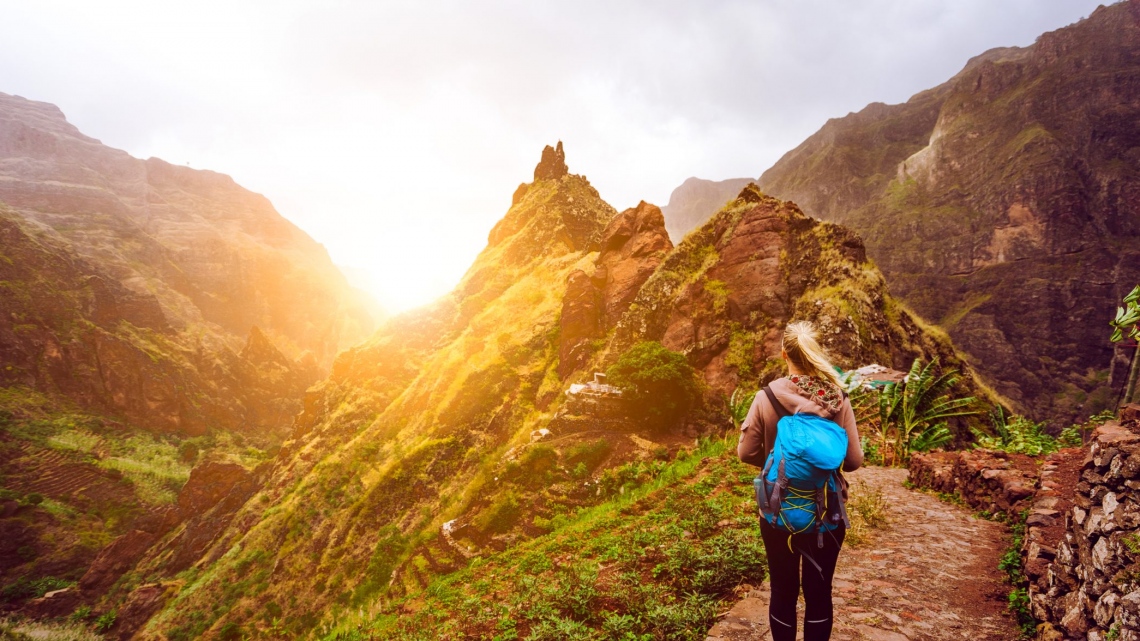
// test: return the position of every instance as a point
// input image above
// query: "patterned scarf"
(824, 393)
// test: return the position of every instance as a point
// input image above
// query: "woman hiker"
(811, 387)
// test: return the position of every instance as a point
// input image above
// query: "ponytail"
(801, 344)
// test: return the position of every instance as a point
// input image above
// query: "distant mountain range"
(138, 284)
(691, 204)
(150, 315)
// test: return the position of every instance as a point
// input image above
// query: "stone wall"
(1081, 549)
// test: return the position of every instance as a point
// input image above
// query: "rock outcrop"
(552, 166)
(1003, 205)
(632, 247)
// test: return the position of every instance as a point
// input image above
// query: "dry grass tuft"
(867, 510)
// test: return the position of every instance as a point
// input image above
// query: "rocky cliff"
(147, 312)
(133, 286)
(1003, 205)
(449, 434)
(214, 257)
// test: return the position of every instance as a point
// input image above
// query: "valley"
(207, 433)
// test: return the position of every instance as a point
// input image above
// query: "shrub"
(658, 383)
(535, 465)
(81, 613)
(188, 452)
(106, 620)
(1017, 435)
(500, 515)
(25, 588)
(34, 498)
(588, 455)
(867, 510)
(912, 416)
(1077, 434)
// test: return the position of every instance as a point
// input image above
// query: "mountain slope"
(1003, 205)
(215, 256)
(150, 316)
(449, 435)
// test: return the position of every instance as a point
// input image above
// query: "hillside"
(449, 435)
(150, 316)
(216, 258)
(1003, 205)
(695, 200)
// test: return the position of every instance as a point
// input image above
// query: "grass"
(17, 630)
(867, 510)
(656, 561)
(1011, 563)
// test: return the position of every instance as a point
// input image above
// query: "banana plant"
(739, 404)
(1127, 324)
(913, 415)
(1127, 321)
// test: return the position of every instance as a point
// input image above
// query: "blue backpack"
(799, 489)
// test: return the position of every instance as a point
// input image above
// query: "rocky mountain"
(138, 283)
(148, 313)
(450, 435)
(696, 200)
(1003, 205)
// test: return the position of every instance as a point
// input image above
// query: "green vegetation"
(24, 588)
(1012, 565)
(739, 404)
(1127, 324)
(106, 620)
(584, 458)
(653, 562)
(1017, 435)
(659, 384)
(867, 510)
(1078, 434)
(912, 416)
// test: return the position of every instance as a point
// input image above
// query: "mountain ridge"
(450, 434)
(1000, 205)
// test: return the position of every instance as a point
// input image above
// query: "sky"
(395, 133)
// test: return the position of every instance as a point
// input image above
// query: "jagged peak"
(751, 194)
(552, 166)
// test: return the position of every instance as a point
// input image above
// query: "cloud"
(395, 132)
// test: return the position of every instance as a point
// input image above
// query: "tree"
(913, 414)
(658, 383)
(1127, 325)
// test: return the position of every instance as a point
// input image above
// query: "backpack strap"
(781, 411)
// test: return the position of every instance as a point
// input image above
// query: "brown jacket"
(758, 432)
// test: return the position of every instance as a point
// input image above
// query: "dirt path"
(930, 573)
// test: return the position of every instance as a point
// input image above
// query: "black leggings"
(784, 571)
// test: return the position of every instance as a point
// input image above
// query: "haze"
(395, 133)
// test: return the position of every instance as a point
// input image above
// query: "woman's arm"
(750, 447)
(854, 458)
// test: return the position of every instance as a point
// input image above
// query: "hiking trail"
(929, 573)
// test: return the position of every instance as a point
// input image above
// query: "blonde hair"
(801, 344)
